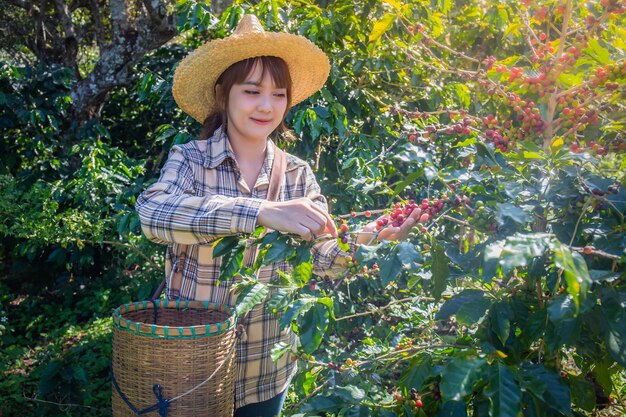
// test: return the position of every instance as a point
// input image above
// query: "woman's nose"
(265, 103)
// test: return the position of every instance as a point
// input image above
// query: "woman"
(241, 88)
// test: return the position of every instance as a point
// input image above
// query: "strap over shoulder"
(277, 177)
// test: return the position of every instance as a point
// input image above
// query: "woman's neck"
(248, 152)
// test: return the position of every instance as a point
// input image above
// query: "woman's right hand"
(300, 216)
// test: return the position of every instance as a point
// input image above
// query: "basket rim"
(174, 332)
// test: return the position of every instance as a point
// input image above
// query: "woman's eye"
(251, 92)
(280, 95)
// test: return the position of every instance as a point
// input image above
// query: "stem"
(315, 391)
(378, 309)
(583, 211)
(549, 131)
(133, 248)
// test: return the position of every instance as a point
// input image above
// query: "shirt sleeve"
(328, 258)
(171, 212)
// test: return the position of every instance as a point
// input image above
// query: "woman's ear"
(218, 92)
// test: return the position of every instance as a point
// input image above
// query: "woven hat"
(195, 77)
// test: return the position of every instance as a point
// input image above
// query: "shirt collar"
(219, 149)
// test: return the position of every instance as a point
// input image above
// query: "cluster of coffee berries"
(417, 28)
(482, 219)
(462, 127)
(338, 368)
(415, 397)
(398, 215)
(493, 132)
(528, 114)
(488, 62)
(350, 362)
(614, 6)
(604, 75)
(514, 73)
(404, 344)
(343, 232)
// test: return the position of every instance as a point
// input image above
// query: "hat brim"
(195, 76)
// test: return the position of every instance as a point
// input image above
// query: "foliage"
(505, 116)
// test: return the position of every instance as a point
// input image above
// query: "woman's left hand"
(395, 233)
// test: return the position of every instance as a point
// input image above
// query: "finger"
(329, 223)
(405, 228)
(416, 214)
(388, 233)
(304, 232)
(330, 226)
(313, 210)
(313, 224)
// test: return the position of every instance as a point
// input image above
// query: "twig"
(597, 252)
(132, 247)
(315, 391)
(60, 404)
(582, 213)
(412, 348)
(378, 309)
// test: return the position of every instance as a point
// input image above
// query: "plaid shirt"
(201, 196)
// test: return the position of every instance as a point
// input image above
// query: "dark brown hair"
(236, 74)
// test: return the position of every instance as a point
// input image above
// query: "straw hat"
(195, 77)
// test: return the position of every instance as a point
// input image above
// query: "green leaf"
(521, 248)
(509, 211)
(312, 326)
(349, 393)
(574, 271)
(561, 307)
(614, 325)
(440, 269)
(459, 377)
(597, 52)
(297, 308)
(302, 273)
(546, 386)
(382, 26)
(452, 409)
(48, 382)
(279, 300)
(279, 349)
(250, 297)
(583, 394)
(409, 256)
(390, 266)
(225, 245)
(366, 253)
(409, 180)
(469, 296)
(419, 369)
(278, 252)
(500, 317)
(232, 262)
(503, 392)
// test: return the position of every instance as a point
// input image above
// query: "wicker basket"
(173, 359)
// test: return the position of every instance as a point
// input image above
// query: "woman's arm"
(170, 211)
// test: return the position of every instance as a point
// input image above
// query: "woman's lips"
(261, 122)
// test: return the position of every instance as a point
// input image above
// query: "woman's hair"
(236, 74)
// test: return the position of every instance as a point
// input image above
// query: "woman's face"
(255, 107)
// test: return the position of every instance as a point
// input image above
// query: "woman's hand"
(300, 216)
(390, 232)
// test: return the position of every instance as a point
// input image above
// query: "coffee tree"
(509, 136)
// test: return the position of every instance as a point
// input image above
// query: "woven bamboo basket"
(174, 359)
